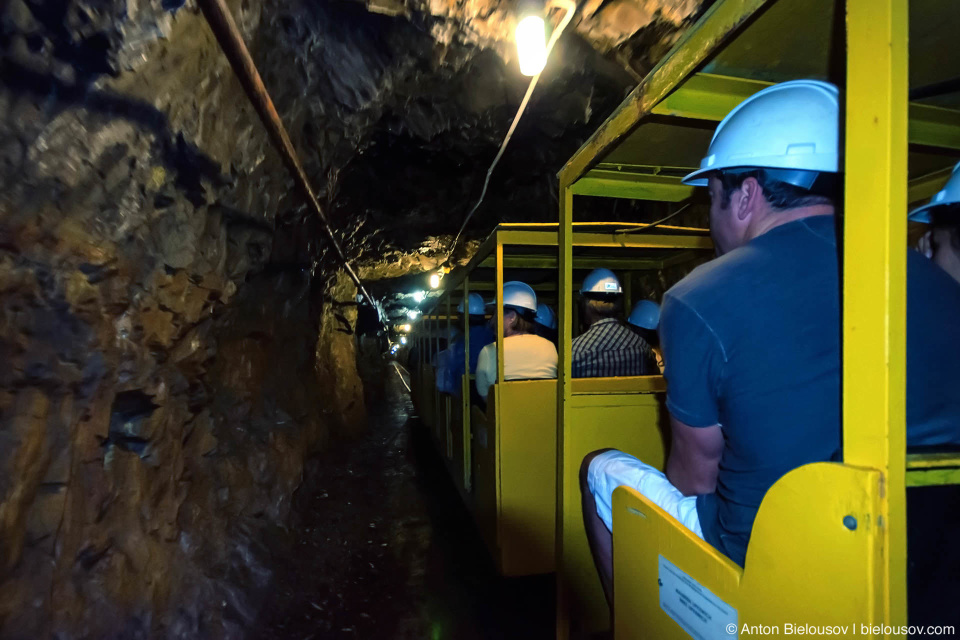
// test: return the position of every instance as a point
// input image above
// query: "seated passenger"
(525, 356)
(751, 339)
(644, 321)
(545, 323)
(480, 336)
(942, 243)
(607, 347)
(446, 377)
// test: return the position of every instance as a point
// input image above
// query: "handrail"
(231, 43)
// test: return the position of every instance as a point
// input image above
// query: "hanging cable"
(231, 43)
(656, 223)
(570, 8)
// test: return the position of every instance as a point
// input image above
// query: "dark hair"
(524, 322)
(948, 217)
(650, 336)
(605, 306)
(780, 195)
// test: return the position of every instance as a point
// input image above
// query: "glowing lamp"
(413, 314)
(405, 328)
(531, 45)
(403, 339)
(419, 296)
(434, 280)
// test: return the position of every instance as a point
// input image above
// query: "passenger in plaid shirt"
(608, 347)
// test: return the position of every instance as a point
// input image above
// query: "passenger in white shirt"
(526, 356)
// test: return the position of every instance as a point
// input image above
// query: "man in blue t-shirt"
(751, 340)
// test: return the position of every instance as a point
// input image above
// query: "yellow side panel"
(446, 420)
(426, 391)
(641, 533)
(455, 435)
(486, 480)
(812, 559)
(527, 435)
(631, 423)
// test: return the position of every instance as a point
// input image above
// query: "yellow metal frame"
(503, 460)
(848, 521)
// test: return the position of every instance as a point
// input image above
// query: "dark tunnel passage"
(227, 226)
(380, 545)
(191, 445)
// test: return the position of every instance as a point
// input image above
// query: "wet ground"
(380, 546)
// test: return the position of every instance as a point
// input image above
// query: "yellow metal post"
(438, 427)
(499, 304)
(874, 274)
(717, 24)
(447, 400)
(564, 388)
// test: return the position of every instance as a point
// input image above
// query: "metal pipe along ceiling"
(231, 42)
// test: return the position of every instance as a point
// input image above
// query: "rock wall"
(169, 357)
(174, 333)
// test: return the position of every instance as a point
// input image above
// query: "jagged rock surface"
(176, 335)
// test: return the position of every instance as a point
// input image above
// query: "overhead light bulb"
(405, 328)
(434, 280)
(403, 339)
(531, 45)
(419, 296)
(413, 315)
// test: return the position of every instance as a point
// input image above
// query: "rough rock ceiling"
(175, 335)
(396, 107)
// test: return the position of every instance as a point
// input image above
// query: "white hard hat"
(546, 316)
(519, 296)
(474, 305)
(791, 129)
(645, 314)
(601, 281)
(950, 194)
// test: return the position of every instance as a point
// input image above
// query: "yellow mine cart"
(829, 543)
(503, 459)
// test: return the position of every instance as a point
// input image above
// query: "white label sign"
(692, 606)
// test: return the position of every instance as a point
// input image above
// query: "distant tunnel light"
(419, 296)
(405, 328)
(403, 339)
(413, 315)
(531, 45)
(434, 280)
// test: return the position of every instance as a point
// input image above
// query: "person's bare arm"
(694, 458)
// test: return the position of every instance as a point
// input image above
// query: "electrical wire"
(570, 8)
(656, 223)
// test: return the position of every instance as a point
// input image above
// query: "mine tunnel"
(266, 267)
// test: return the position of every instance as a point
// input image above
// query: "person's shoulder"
(480, 330)
(928, 283)
(758, 263)
(538, 343)
(707, 282)
(628, 337)
(583, 337)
